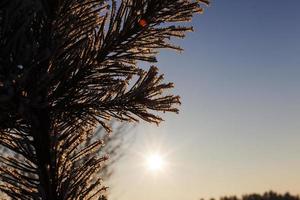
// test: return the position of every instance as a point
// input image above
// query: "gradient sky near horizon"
(238, 130)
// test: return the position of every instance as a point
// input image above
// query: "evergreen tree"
(270, 195)
(68, 66)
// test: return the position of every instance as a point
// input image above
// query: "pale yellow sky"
(190, 174)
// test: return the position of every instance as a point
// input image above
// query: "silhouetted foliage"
(266, 196)
(115, 145)
(68, 66)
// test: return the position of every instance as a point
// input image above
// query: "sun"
(155, 162)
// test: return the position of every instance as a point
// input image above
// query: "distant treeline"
(266, 196)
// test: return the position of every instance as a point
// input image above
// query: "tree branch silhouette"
(67, 67)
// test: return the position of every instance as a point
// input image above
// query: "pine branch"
(67, 67)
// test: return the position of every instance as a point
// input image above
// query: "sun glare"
(155, 162)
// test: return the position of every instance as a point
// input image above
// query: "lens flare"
(155, 162)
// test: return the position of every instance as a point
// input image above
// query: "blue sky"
(238, 129)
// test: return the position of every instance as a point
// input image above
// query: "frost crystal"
(20, 66)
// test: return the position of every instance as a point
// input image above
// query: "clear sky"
(238, 130)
